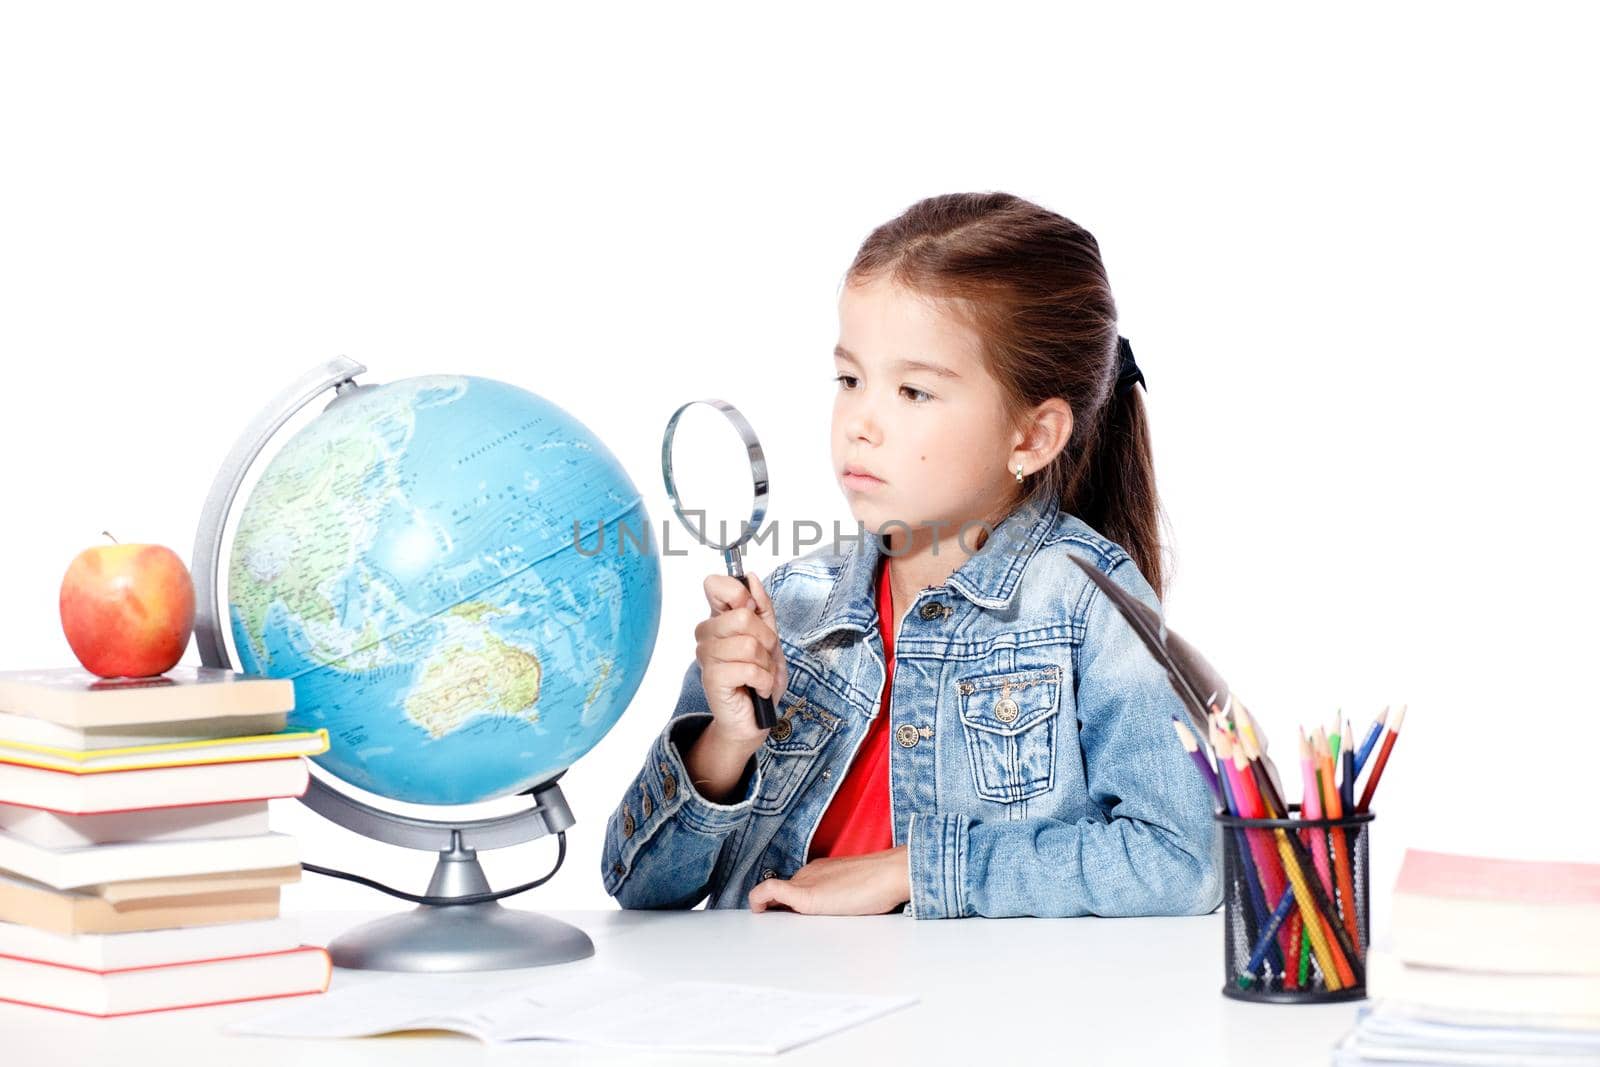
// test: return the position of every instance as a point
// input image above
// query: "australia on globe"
(447, 568)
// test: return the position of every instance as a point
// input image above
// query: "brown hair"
(1031, 284)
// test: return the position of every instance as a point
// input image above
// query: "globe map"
(409, 559)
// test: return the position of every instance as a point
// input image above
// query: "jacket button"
(627, 824)
(782, 729)
(618, 869)
(644, 800)
(768, 873)
(907, 735)
(1005, 709)
(932, 610)
(669, 784)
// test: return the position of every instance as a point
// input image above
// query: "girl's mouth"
(864, 482)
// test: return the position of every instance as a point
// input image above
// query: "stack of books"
(1489, 961)
(137, 870)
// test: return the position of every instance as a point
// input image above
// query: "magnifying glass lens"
(711, 470)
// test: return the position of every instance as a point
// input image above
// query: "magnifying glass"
(710, 458)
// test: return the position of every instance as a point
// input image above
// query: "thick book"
(149, 948)
(156, 787)
(70, 868)
(136, 990)
(124, 894)
(284, 745)
(54, 830)
(1571, 1000)
(93, 738)
(74, 697)
(184, 902)
(1478, 913)
(1386, 1032)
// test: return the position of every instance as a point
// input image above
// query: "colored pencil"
(1333, 808)
(1192, 746)
(1297, 932)
(1383, 759)
(1311, 808)
(1266, 940)
(1373, 733)
(1347, 774)
(1333, 736)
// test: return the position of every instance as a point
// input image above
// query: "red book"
(137, 990)
(1481, 913)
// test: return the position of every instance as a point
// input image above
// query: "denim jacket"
(1033, 767)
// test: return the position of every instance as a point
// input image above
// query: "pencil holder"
(1295, 904)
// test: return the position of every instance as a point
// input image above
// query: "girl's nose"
(861, 426)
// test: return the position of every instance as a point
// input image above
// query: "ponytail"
(1117, 493)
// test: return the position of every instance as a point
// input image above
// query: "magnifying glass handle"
(766, 714)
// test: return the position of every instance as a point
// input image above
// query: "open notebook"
(610, 1009)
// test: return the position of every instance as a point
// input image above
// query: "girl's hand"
(737, 647)
(872, 884)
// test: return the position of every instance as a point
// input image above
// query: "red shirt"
(857, 820)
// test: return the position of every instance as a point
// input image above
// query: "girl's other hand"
(869, 884)
(737, 647)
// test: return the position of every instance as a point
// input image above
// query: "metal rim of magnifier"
(549, 813)
(758, 473)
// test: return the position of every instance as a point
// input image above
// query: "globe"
(458, 576)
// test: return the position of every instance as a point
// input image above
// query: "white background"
(1355, 253)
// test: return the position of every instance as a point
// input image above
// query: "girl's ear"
(1045, 433)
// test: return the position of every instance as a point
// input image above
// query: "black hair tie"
(1128, 371)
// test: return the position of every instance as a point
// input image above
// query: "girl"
(967, 726)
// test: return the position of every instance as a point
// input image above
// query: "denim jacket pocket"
(1009, 720)
(786, 757)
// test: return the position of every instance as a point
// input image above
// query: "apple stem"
(113, 539)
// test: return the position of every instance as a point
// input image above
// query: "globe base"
(460, 937)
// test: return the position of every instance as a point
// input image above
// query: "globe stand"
(443, 937)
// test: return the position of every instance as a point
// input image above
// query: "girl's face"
(919, 430)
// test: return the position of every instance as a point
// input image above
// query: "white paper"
(615, 1009)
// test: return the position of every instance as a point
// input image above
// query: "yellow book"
(167, 754)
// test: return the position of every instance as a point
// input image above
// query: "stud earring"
(1019, 472)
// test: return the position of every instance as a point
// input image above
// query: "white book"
(31, 731)
(616, 1009)
(157, 787)
(68, 868)
(55, 830)
(1571, 997)
(177, 985)
(149, 948)
(72, 696)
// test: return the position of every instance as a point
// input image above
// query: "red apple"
(127, 610)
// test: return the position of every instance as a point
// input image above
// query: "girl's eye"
(915, 395)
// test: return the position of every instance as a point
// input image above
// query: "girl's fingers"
(763, 602)
(736, 621)
(740, 648)
(729, 678)
(773, 894)
(724, 592)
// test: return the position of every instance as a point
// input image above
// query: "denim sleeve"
(1150, 849)
(663, 841)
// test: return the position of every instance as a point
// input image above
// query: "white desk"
(1070, 991)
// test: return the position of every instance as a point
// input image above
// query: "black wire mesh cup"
(1264, 860)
